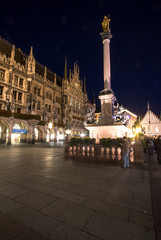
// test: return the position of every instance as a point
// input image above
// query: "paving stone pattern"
(44, 196)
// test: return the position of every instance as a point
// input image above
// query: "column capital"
(106, 35)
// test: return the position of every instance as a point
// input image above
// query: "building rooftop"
(20, 57)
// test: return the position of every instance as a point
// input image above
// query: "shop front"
(19, 135)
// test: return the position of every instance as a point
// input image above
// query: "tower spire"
(65, 69)
(148, 106)
(31, 51)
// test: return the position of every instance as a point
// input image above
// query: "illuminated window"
(36, 134)
(150, 129)
(156, 129)
(16, 126)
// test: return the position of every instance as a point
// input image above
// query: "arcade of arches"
(13, 131)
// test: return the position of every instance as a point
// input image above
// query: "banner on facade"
(19, 130)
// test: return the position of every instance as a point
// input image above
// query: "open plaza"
(72, 168)
(46, 196)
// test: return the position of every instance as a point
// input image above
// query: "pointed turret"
(65, 70)
(31, 62)
(13, 54)
(148, 106)
(31, 51)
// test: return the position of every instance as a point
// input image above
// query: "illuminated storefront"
(18, 135)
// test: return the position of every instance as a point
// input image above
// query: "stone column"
(106, 36)
(9, 137)
(29, 135)
(11, 123)
(55, 135)
(106, 95)
(32, 123)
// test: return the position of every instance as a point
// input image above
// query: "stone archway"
(4, 128)
(60, 135)
(19, 132)
(39, 134)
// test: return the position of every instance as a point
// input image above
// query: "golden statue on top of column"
(106, 23)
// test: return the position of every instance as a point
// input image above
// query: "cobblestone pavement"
(44, 196)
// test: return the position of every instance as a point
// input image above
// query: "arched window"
(47, 94)
(16, 126)
(36, 134)
(156, 130)
(50, 96)
(150, 129)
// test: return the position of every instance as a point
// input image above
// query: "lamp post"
(137, 128)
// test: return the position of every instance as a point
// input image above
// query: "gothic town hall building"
(35, 103)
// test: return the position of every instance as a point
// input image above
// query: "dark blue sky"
(57, 29)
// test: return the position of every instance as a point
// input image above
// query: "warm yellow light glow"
(68, 131)
(82, 135)
(50, 125)
(137, 130)
(61, 136)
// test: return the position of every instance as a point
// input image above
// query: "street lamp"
(50, 125)
(137, 128)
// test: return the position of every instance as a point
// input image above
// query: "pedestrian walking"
(126, 151)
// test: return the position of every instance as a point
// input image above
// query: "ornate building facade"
(151, 123)
(35, 103)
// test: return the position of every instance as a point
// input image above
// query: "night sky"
(57, 29)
